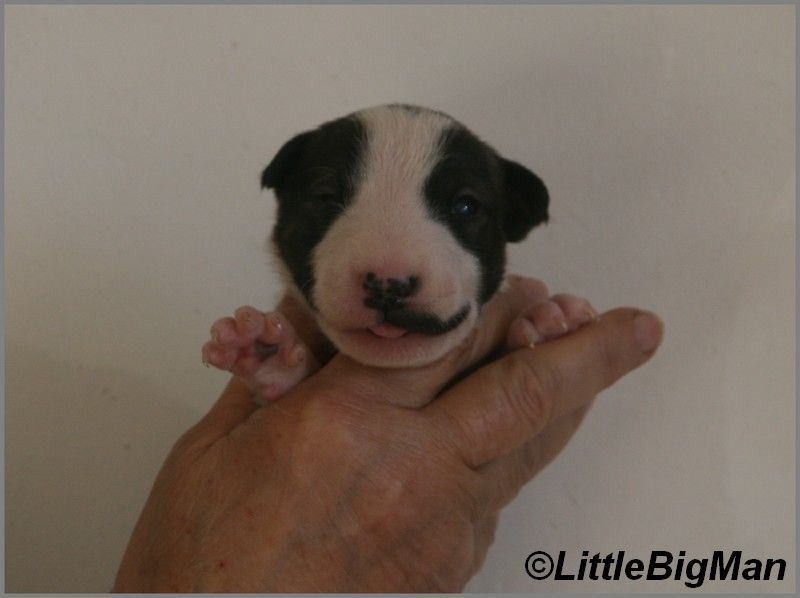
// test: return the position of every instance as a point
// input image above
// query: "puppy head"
(392, 223)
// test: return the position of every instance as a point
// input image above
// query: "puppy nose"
(388, 294)
(396, 287)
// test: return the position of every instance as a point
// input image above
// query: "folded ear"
(278, 172)
(527, 200)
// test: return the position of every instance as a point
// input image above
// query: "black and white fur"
(401, 192)
(391, 230)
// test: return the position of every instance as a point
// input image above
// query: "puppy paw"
(262, 349)
(549, 320)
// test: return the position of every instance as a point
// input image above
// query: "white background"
(135, 137)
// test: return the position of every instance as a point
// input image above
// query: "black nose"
(387, 295)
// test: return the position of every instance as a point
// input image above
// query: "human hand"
(340, 486)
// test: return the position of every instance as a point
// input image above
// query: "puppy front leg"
(549, 320)
(261, 348)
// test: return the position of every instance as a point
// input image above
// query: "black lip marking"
(385, 303)
(425, 323)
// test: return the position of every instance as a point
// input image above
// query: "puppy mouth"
(398, 323)
(384, 330)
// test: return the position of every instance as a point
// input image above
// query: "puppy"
(391, 231)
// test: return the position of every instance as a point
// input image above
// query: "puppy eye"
(465, 204)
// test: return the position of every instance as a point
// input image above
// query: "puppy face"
(392, 224)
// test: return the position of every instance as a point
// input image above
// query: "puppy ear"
(527, 200)
(278, 172)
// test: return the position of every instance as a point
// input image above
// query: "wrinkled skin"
(355, 481)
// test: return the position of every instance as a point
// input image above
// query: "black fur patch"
(511, 200)
(527, 200)
(314, 176)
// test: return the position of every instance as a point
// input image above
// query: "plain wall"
(135, 137)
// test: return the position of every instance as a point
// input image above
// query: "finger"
(509, 402)
(234, 406)
(506, 475)
(518, 295)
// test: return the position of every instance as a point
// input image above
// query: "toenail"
(529, 332)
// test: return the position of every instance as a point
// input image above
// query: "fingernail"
(648, 330)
